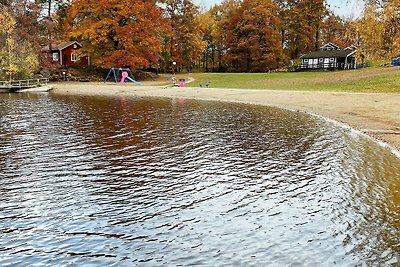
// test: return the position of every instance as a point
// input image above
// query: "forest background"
(234, 36)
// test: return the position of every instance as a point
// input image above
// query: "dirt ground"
(377, 115)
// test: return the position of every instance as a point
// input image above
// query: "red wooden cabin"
(66, 54)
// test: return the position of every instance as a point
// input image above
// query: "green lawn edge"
(371, 80)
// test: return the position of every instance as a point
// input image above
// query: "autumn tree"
(26, 15)
(283, 13)
(226, 35)
(17, 58)
(207, 23)
(224, 19)
(35, 20)
(257, 46)
(333, 31)
(391, 29)
(49, 9)
(214, 36)
(370, 27)
(118, 32)
(7, 44)
(377, 32)
(185, 44)
(304, 26)
(62, 26)
(377, 3)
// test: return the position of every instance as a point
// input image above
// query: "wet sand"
(377, 115)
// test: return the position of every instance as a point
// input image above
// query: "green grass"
(385, 80)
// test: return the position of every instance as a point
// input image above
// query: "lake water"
(124, 181)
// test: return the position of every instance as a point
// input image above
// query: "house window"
(321, 60)
(305, 60)
(326, 60)
(74, 58)
(55, 56)
(75, 46)
(332, 59)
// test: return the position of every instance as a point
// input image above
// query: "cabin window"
(332, 59)
(74, 58)
(321, 60)
(55, 57)
(326, 60)
(305, 60)
(75, 46)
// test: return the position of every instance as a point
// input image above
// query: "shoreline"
(374, 114)
(42, 88)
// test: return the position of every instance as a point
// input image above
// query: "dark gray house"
(330, 56)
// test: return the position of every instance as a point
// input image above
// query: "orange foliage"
(186, 44)
(118, 32)
(253, 37)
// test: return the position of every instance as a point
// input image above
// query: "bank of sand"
(377, 115)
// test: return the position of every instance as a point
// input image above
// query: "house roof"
(329, 53)
(330, 46)
(61, 46)
(64, 45)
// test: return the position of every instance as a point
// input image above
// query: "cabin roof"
(61, 46)
(330, 46)
(64, 45)
(329, 53)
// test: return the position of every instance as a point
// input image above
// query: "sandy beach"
(375, 114)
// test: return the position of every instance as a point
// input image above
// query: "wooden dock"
(18, 85)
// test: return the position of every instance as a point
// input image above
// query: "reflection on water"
(127, 181)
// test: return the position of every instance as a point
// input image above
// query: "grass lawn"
(379, 79)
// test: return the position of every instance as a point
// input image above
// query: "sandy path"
(377, 115)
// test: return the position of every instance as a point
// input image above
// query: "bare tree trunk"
(50, 27)
(9, 58)
(317, 37)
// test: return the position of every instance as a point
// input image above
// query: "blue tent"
(396, 61)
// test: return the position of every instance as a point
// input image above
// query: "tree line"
(236, 35)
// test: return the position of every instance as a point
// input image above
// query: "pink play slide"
(125, 75)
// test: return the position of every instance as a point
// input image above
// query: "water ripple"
(124, 181)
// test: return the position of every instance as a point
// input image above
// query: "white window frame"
(332, 59)
(55, 56)
(305, 60)
(74, 58)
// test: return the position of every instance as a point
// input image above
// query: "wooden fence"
(322, 65)
(24, 84)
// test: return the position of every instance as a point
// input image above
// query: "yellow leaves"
(7, 57)
(10, 42)
(7, 22)
(10, 69)
(16, 57)
(188, 28)
(379, 29)
(31, 62)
